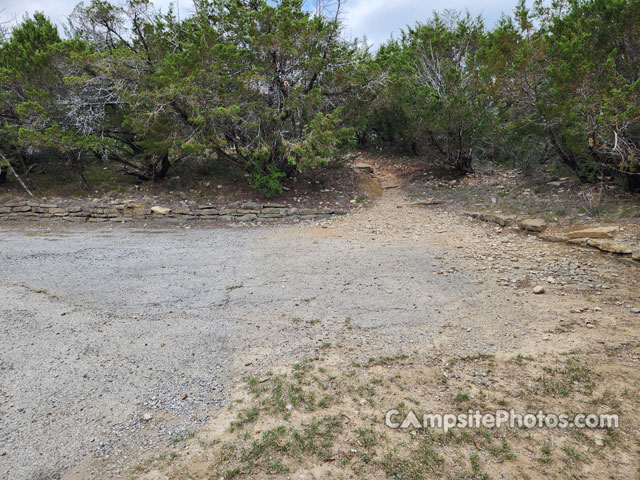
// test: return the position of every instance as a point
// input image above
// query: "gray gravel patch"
(114, 341)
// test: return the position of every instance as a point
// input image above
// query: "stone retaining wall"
(600, 238)
(128, 211)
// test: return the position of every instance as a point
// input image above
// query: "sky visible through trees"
(377, 19)
(270, 89)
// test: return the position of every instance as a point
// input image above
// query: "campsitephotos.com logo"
(499, 419)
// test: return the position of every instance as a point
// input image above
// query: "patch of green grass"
(327, 401)
(612, 437)
(484, 434)
(310, 435)
(503, 452)
(573, 376)
(285, 396)
(421, 461)
(546, 457)
(182, 437)
(385, 360)
(276, 466)
(256, 387)
(271, 442)
(316, 437)
(367, 437)
(608, 398)
(476, 468)
(572, 453)
(245, 417)
(281, 394)
(461, 397)
(232, 473)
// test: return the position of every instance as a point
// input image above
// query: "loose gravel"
(117, 340)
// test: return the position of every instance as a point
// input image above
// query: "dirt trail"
(118, 340)
(427, 283)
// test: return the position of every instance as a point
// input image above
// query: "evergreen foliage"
(273, 89)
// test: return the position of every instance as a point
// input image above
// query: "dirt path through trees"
(118, 343)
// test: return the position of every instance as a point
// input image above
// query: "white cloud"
(377, 19)
(58, 10)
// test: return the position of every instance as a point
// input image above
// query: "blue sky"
(377, 19)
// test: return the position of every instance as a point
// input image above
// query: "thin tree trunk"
(79, 168)
(566, 158)
(10, 168)
(165, 164)
(83, 181)
(465, 164)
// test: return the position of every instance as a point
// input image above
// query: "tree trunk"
(464, 164)
(566, 158)
(279, 160)
(12, 170)
(83, 181)
(3, 175)
(165, 164)
(78, 166)
(632, 182)
(362, 138)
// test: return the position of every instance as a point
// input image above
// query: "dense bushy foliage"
(570, 88)
(434, 94)
(272, 89)
(37, 93)
(557, 82)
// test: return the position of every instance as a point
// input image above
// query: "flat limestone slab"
(533, 225)
(595, 232)
(613, 247)
(161, 210)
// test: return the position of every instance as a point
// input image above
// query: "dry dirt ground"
(331, 187)
(275, 352)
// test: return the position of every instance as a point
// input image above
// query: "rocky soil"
(118, 341)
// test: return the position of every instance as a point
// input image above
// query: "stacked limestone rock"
(128, 211)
